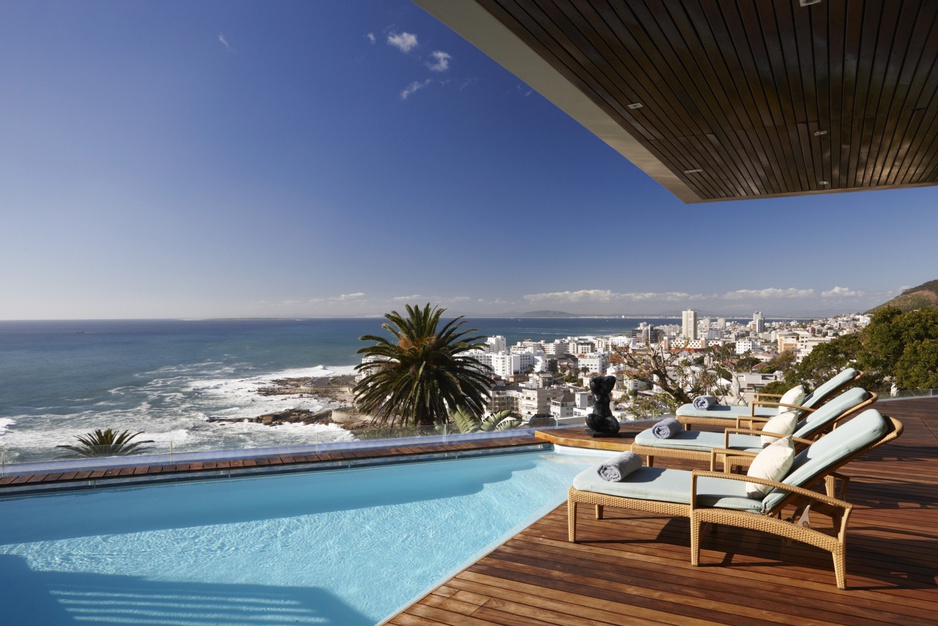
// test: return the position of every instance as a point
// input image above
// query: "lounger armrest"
(727, 454)
(760, 433)
(796, 407)
(739, 431)
(761, 395)
(807, 493)
(750, 421)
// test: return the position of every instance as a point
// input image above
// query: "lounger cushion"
(818, 395)
(819, 419)
(814, 460)
(792, 397)
(698, 440)
(772, 463)
(670, 485)
(728, 412)
(782, 424)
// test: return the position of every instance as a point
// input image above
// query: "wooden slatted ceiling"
(764, 97)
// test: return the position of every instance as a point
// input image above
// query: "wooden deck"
(115, 476)
(635, 568)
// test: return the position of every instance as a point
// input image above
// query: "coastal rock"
(337, 389)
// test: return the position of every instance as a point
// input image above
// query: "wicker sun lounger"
(720, 498)
(696, 445)
(722, 416)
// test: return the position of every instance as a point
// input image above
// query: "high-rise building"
(758, 322)
(689, 324)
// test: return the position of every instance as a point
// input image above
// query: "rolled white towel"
(666, 428)
(702, 403)
(620, 466)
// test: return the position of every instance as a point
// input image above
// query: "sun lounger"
(718, 415)
(698, 445)
(721, 498)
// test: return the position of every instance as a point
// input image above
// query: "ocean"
(169, 378)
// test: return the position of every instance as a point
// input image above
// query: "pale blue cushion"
(817, 396)
(729, 412)
(698, 440)
(817, 420)
(670, 485)
(817, 459)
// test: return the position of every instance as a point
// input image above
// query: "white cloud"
(842, 292)
(341, 298)
(763, 294)
(415, 296)
(351, 296)
(605, 295)
(405, 42)
(593, 295)
(370, 37)
(224, 42)
(440, 61)
(413, 88)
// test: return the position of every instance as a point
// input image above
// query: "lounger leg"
(694, 541)
(840, 567)
(599, 511)
(571, 520)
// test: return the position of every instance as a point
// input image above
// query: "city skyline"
(234, 159)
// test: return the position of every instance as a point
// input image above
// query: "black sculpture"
(601, 422)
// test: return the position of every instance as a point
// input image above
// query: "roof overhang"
(732, 99)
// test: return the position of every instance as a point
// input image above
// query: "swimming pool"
(328, 547)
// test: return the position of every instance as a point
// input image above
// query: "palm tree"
(466, 422)
(422, 374)
(106, 443)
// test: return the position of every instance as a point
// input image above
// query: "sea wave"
(176, 408)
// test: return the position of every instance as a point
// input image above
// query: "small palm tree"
(421, 374)
(467, 422)
(106, 443)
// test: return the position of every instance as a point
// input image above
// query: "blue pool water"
(332, 547)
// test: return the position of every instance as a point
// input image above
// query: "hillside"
(923, 296)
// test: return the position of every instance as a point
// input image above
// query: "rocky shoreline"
(335, 389)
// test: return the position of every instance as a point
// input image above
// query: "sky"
(178, 159)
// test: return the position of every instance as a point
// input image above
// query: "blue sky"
(294, 159)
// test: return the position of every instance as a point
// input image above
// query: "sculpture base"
(596, 433)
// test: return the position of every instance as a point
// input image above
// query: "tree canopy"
(421, 373)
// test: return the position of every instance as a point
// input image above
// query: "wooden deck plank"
(635, 567)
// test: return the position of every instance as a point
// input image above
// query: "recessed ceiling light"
(696, 171)
(807, 3)
(820, 133)
(823, 183)
(636, 105)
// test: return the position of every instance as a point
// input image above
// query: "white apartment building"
(503, 398)
(689, 324)
(787, 341)
(528, 346)
(747, 345)
(533, 402)
(751, 383)
(561, 408)
(595, 362)
(497, 343)
(758, 322)
(581, 346)
(807, 344)
(558, 347)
